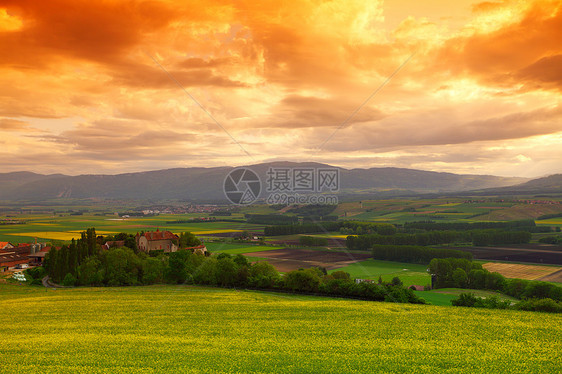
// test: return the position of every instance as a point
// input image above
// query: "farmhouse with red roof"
(6, 245)
(157, 240)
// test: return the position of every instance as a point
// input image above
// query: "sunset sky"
(84, 88)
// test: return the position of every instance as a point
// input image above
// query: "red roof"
(160, 235)
(3, 244)
(202, 246)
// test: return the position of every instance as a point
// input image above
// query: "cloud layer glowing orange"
(80, 93)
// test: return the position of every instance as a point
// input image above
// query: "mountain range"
(206, 184)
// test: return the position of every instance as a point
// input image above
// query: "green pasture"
(443, 296)
(409, 274)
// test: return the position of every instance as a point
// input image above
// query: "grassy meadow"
(409, 274)
(186, 329)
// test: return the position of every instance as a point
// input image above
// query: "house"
(6, 245)
(157, 240)
(201, 249)
(9, 259)
(113, 244)
(38, 258)
(416, 287)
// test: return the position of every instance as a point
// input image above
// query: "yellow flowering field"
(57, 235)
(185, 329)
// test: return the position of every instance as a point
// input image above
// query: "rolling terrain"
(187, 329)
(206, 184)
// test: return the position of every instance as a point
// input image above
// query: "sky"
(108, 87)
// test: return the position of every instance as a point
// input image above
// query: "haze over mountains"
(206, 184)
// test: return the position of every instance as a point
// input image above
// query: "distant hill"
(546, 185)
(206, 184)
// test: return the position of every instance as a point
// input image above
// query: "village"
(17, 257)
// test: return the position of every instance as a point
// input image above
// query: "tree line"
(462, 273)
(83, 263)
(547, 305)
(476, 237)
(464, 226)
(415, 254)
(345, 227)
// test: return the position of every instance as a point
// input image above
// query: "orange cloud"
(79, 82)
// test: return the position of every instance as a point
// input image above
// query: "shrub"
(69, 280)
(540, 305)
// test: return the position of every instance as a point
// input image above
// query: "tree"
(176, 271)
(69, 280)
(188, 239)
(477, 279)
(495, 281)
(396, 281)
(227, 272)
(206, 273)
(122, 267)
(460, 278)
(307, 280)
(152, 270)
(91, 272)
(341, 275)
(263, 275)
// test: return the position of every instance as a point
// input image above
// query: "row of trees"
(462, 273)
(69, 257)
(537, 305)
(361, 228)
(415, 254)
(477, 237)
(124, 267)
(82, 261)
(311, 241)
(464, 226)
(345, 227)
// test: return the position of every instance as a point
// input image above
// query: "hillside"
(187, 329)
(550, 184)
(206, 184)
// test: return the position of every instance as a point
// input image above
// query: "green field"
(184, 329)
(371, 269)
(443, 296)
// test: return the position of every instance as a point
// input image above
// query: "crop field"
(409, 274)
(288, 259)
(48, 227)
(235, 249)
(531, 272)
(532, 253)
(446, 210)
(184, 329)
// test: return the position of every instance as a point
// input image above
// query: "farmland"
(371, 269)
(530, 272)
(161, 329)
(66, 227)
(443, 296)
(293, 259)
